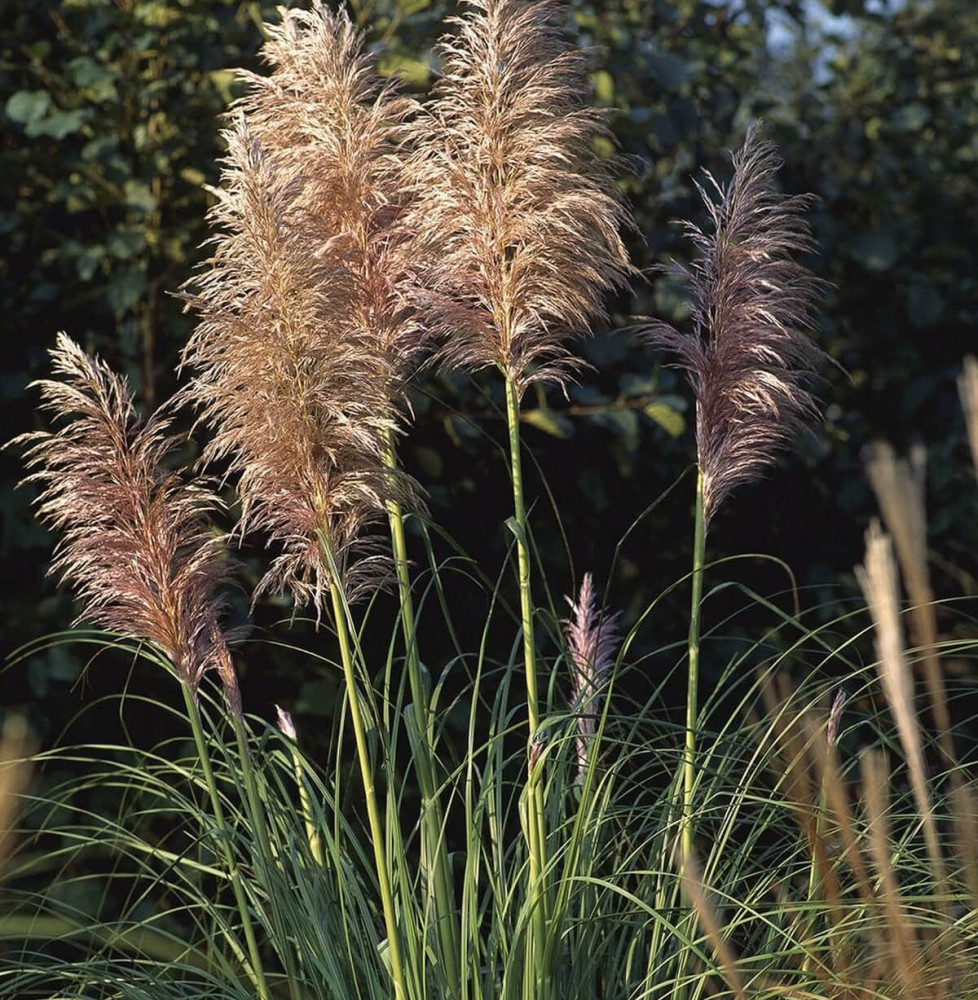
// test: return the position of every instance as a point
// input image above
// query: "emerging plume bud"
(136, 543)
(592, 641)
(535, 751)
(835, 717)
(748, 354)
(285, 723)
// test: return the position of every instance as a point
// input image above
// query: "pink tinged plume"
(749, 355)
(136, 543)
(592, 642)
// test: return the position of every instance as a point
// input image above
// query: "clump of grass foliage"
(794, 838)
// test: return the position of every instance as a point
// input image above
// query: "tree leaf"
(549, 422)
(126, 242)
(876, 251)
(139, 196)
(125, 290)
(28, 106)
(59, 125)
(666, 417)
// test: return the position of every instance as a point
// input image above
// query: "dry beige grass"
(14, 778)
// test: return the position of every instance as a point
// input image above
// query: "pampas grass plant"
(748, 355)
(325, 116)
(551, 852)
(522, 224)
(135, 544)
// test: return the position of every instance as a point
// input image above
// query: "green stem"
(257, 972)
(436, 847)
(692, 683)
(373, 812)
(813, 912)
(536, 820)
(305, 804)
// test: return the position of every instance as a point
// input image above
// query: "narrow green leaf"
(549, 422)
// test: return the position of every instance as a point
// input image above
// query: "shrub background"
(110, 130)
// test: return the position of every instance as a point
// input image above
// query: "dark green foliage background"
(110, 132)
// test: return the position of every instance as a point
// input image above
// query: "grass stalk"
(536, 822)
(377, 835)
(313, 837)
(693, 676)
(435, 843)
(259, 823)
(256, 972)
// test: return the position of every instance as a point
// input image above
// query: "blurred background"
(110, 134)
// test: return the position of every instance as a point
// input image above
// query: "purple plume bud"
(835, 715)
(592, 640)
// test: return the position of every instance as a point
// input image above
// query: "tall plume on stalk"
(326, 117)
(748, 353)
(136, 543)
(592, 640)
(518, 213)
(295, 389)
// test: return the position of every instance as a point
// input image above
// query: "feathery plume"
(517, 213)
(327, 117)
(592, 640)
(748, 354)
(295, 395)
(136, 544)
(304, 340)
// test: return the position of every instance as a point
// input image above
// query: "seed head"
(748, 355)
(296, 396)
(136, 543)
(305, 340)
(517, 215)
